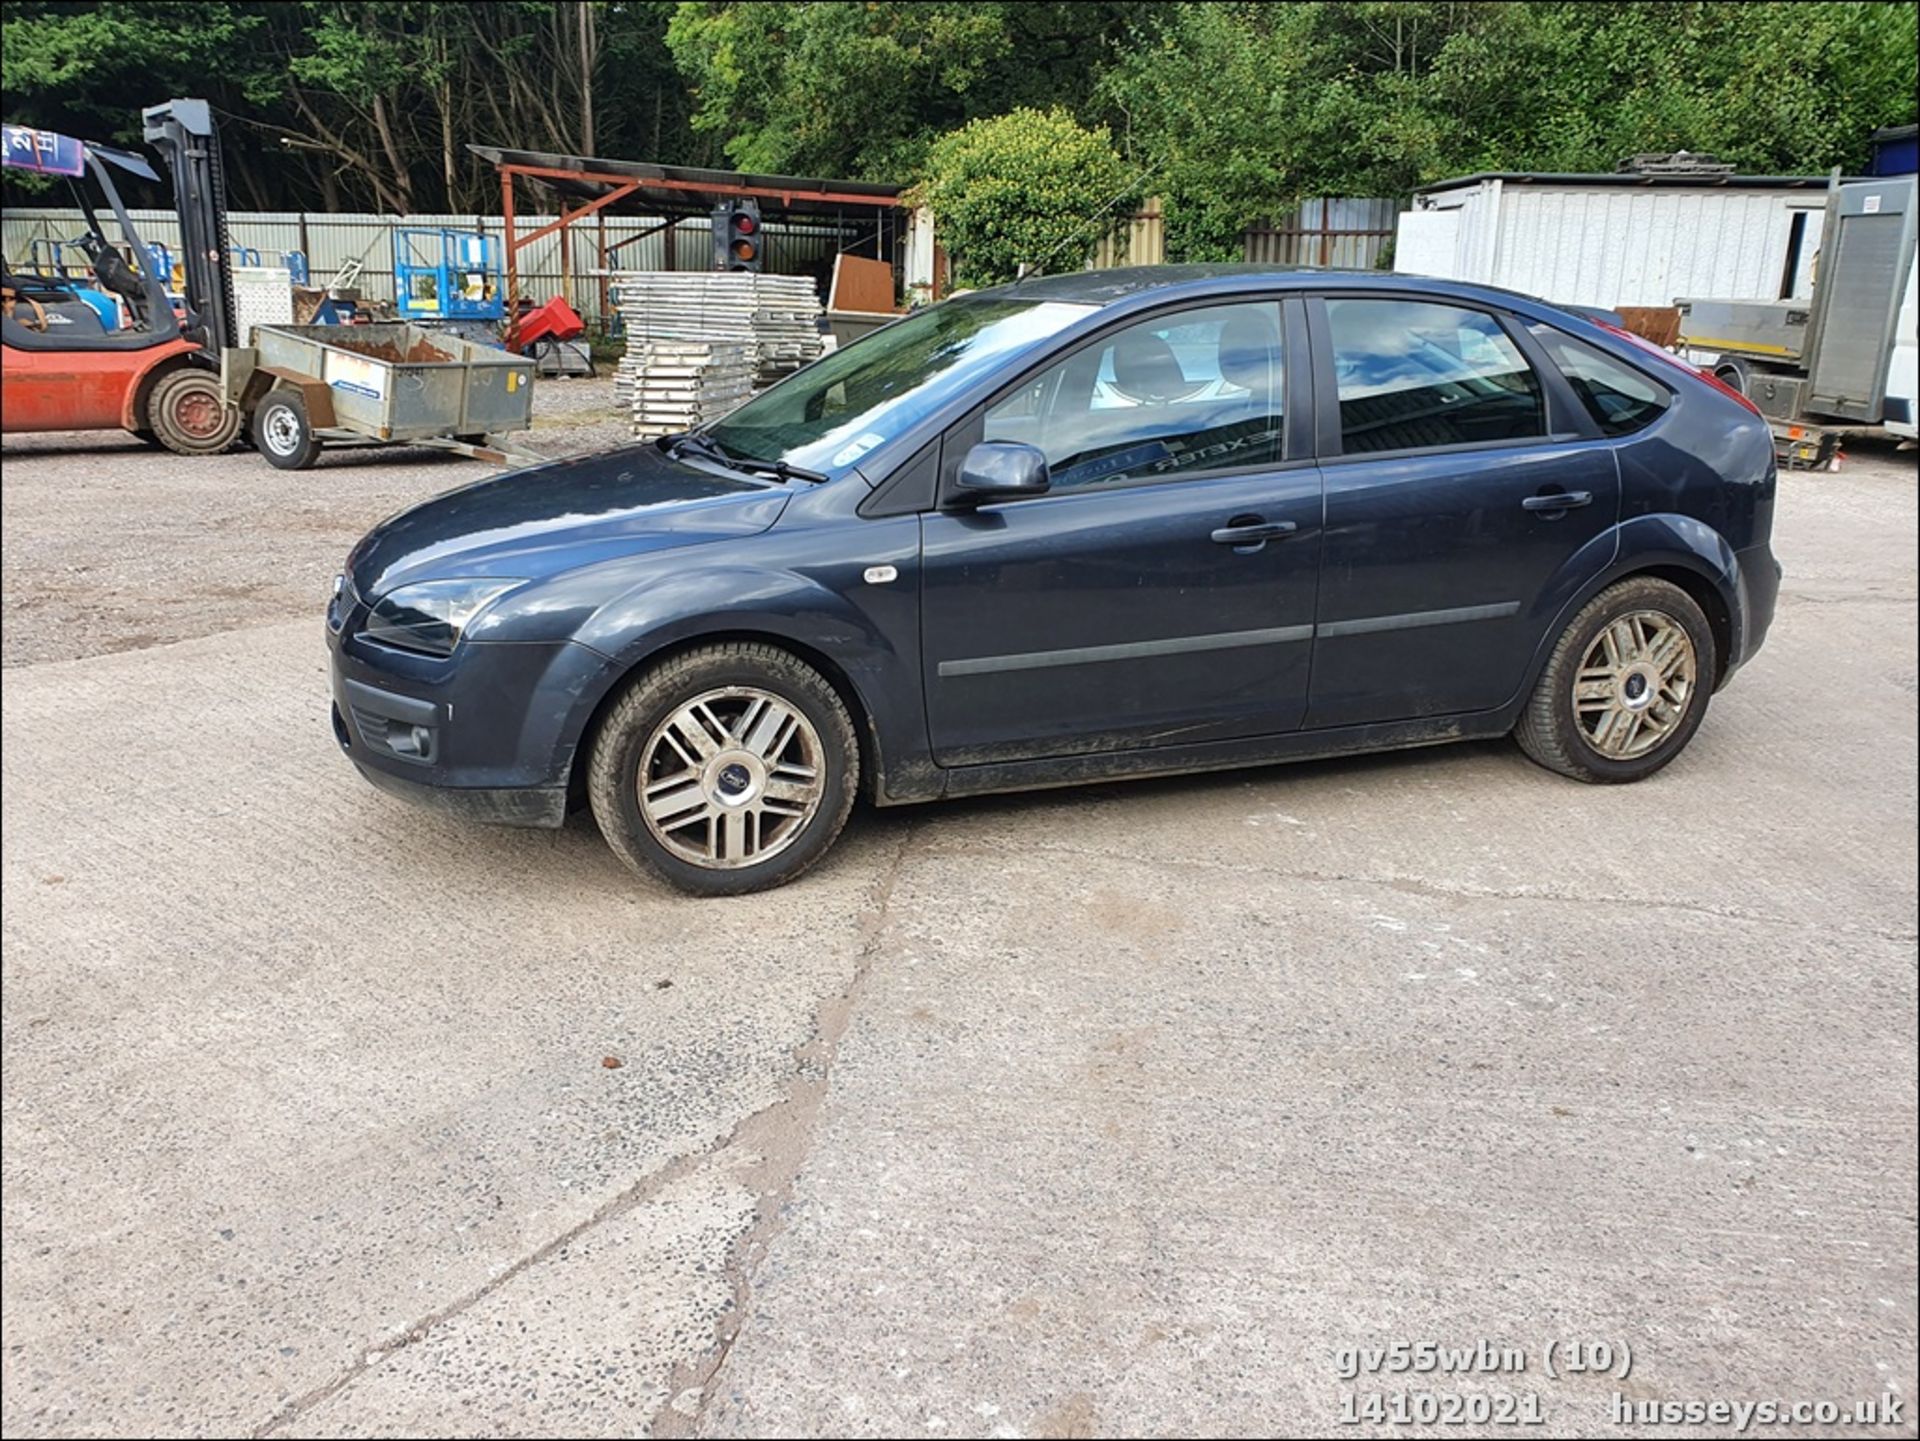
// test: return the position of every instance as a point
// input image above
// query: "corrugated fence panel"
(331, 241)
(1140, 239)
(1346, 233)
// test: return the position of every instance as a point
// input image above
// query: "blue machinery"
(447, 275)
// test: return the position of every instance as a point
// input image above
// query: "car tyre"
(189, 415)
(727, 769)
(1626, 686)
(282, 433)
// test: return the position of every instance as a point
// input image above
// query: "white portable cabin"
(1613, 240)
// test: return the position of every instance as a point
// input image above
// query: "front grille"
(401, 739)
(372, 728)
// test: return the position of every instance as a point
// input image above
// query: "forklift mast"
(182, 131)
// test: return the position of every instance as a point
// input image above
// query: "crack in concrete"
(779, 1139)
(649, 1185)
(1416, 885)
(778, 1136)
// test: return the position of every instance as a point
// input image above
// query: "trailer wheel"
(188, 414)
(282, 433)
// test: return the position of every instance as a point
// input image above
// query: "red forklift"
(157, 374)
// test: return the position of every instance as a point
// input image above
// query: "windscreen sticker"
(857, 447)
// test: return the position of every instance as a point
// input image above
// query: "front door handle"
(1558, 500)
(1253, 531)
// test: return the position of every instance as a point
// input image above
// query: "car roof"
(1113, 287)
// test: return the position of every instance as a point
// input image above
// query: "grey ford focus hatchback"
(1115, 524)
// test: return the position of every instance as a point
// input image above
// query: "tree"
(356, 103)
(87, 69)
(1247, 109)
(1029, 187)
(1237, 109)
(862, 90)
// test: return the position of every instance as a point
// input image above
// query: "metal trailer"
(1820, 367)
(303, 386)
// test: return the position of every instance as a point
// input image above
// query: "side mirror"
(998, 470)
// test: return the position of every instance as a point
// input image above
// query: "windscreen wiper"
(712, 450)
(780, 468)
(701, 446)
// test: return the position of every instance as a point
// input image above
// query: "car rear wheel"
(729, 769)
(1626, 686)
(189, 415)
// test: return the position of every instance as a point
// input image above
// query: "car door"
(1461, 480)
(1162, 591)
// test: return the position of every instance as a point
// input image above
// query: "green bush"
(1028, 187)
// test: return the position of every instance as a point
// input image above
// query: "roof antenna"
(1037, 267)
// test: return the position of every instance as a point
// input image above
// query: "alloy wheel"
(731, 778)
(1634, 684)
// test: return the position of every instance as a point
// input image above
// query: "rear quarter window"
(1620, 398)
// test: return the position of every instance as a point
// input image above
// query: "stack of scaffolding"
(768, 323)
(786, 325)
(674, 385)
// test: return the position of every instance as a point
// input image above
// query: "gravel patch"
(110, 546)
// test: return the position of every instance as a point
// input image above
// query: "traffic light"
(736, 235)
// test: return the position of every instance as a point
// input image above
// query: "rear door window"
(1416, 375)
(1619, 398)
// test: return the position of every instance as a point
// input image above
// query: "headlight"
(430, 617)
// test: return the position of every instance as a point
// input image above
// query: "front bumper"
(488, 733)
(534, 806)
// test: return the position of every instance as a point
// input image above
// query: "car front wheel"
(728, 769)
(1626, 686)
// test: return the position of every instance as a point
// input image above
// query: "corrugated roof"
(1640, 182)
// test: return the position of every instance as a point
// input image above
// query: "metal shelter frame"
(675, 192)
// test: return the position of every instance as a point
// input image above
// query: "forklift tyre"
(281, 431)
(188, 414)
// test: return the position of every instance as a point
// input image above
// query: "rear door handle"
(1253, 532)
(1559, 500)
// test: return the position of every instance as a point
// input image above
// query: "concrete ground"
(1107, 1111)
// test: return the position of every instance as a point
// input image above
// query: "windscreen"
(836, 410)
